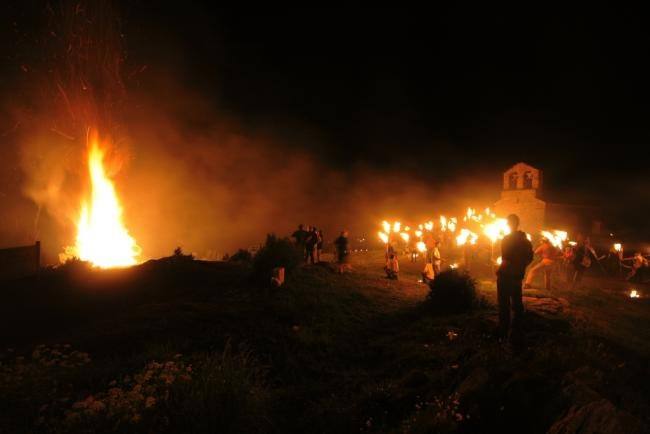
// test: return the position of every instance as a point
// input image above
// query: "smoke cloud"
(188, 173)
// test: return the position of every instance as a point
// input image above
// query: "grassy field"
(191, 346)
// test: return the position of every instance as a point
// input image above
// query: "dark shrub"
(277, 252)
(179, 256)
(453, 291)
(241, 256)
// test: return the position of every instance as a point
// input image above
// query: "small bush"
(277, 252)
(75, 265)
(453, 291)
(180, 256)
(243, 256)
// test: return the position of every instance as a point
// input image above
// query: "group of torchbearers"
(433, 259)
(576, 260)
(310, 241)
(517, 253)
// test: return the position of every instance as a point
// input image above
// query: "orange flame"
(556, 238)
(465, 237)
(102, 237)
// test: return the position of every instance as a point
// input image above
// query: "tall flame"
(102, 237)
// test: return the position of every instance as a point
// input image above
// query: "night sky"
(441, 92)
(566, 90)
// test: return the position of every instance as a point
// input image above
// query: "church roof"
(522, 165)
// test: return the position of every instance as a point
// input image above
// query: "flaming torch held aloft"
(466, 236)
(556, 238)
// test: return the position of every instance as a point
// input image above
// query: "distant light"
(634, 294)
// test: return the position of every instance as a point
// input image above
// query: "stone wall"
(524, 203)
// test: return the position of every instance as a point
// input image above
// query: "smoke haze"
(188, 172)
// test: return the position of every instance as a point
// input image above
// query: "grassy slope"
(347, 353)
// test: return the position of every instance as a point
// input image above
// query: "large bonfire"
(102, 238)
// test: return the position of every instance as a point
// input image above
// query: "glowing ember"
(383, 237)
(102, 238)
(634, 294)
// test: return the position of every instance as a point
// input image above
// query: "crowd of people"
(513, 272)
(575, 260)
(431, 252)
(311, 240)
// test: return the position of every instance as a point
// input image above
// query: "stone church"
(523, 194)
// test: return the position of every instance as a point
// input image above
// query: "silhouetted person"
(516, 254)
(436, 258)
(639, 265)
(390, 250)
(300, 236)
(319, 245)
(614, 261)
(567, 263)
(310, 245)
(392, 267)
(342, 251)
(582, 260)
(413, 250)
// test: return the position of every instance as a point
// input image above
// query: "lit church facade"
(522, 194)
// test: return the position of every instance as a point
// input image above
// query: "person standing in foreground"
(516, 254)
(342, 251)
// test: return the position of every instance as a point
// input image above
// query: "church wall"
(531, 211)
